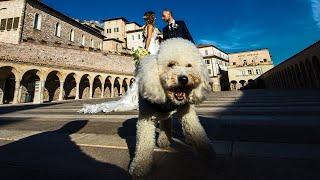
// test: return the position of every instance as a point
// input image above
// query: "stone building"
(300, 71)
(124, 35)
(48, 56)
(217, 62)
(244, 67)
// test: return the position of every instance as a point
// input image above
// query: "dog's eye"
(189, 65)
(171, 64)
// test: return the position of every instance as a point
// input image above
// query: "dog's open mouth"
(180, 95)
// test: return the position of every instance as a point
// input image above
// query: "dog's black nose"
(183, 80)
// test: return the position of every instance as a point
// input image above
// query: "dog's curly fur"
(173, 81)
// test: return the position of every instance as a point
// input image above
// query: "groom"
(174, 28)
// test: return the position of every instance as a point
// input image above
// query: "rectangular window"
(9, 24)
(139, 36)
(132, 37)
(264, 60)
(206, 52)
(258, 71)
(3, 24)
(16, 23)
(209, 71)
(207, 61)
(234, 63)
(250, 72)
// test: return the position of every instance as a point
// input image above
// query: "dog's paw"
(139, 169)
(207, 153)
(163, 140)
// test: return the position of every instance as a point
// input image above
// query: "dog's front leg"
(194, 132)
(165, 135)
(142, 162)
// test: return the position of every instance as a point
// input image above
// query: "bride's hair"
(149, 17)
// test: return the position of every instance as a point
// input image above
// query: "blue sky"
(284, 26)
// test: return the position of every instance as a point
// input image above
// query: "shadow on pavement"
(53, 155)
(183, 164)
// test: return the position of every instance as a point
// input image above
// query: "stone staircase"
(258, 134)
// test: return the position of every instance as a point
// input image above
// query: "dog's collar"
(164, 108)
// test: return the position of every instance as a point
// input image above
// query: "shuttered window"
(16, 23)
(9, 24)
(3, 24)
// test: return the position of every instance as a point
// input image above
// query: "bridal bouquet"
(139, 54)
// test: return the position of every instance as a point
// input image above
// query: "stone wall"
(300, 71)
(11, 9)
(49, 20)
(51, 56)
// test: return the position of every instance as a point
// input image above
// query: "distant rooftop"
(117, 18)
(210, 45)
(252, 50)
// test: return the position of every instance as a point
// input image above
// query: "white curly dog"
(171, 82)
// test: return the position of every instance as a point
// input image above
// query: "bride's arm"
(149, 36)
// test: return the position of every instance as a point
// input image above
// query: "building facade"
(48, 56)
(124, 34)
(301, 71)
(33, 21)
(217, 62)
(244, 67)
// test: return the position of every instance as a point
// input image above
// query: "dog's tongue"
(179, 95)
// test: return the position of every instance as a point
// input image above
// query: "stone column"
(38, 92)
(120, 89)
(61, 91)
(102, 90)
(2, 86)
(91, 91)
(16, 92)
(111, 92)
(77, 90)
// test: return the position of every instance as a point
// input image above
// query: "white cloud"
(315, 4)
(237, 37)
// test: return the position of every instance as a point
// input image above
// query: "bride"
(130, 100)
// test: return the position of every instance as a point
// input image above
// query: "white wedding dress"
(130, 100)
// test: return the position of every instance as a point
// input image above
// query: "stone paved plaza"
(257, 134)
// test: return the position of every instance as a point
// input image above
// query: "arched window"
(92, 43)
(37, 21)
(100, 46)
(71, 38)
(83, 40)
(57, 30)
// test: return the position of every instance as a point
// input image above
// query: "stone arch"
(97, 87)
(301, 83)
(107, 87)
(84, 87)
(304, 74)
(70, 86)
(52, 86)
(8, 77)
(242, 82)
(311, 76)
(124, 86)
(132, 80)
(30, 84)
(116, 87)
(316, 68)
(233, 85)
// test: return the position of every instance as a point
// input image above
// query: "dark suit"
(179, 30)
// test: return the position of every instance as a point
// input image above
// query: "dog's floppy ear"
(150, 87)
(198, 94)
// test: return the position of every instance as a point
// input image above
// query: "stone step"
(291, 110)
(115, 142)
(227, 128)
